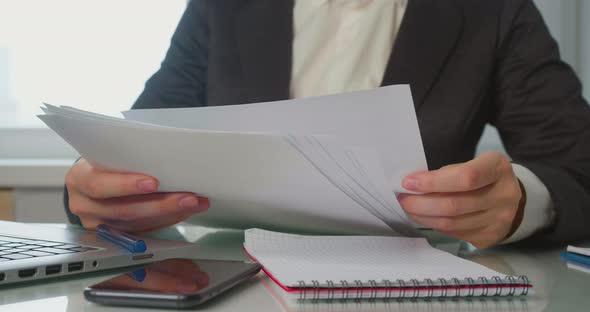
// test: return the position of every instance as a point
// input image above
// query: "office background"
(96, 55)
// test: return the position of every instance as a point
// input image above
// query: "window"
(94, 55)
(569, 24)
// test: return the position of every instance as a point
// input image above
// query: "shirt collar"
(353, 4)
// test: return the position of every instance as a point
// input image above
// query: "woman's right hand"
(126, 201)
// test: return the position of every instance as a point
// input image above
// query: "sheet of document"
(245, 176)
(329, 164)
(383, 119)
(357, 172)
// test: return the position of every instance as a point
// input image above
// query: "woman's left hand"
(478, 201)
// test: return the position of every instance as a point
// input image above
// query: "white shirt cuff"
(538, 209)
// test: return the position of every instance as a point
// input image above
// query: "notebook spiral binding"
(401, 289)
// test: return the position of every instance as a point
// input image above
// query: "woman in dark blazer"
(469, 63)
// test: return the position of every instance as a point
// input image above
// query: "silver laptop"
(32, 252)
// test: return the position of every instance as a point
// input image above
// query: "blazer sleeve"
(543, 119)
(182, 78)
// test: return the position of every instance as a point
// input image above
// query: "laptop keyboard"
(14, 248)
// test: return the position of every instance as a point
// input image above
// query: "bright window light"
(93, 55)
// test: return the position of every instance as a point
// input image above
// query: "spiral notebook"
(364, 267)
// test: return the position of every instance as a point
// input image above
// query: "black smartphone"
(172, 283)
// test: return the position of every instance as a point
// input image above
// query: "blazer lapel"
(264, 31)
(427, 36)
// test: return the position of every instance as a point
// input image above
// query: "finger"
(453, 224)
(183, 282)
(474, 174)
(480, 238)
(176, 266)
(138, 207)
(154, 280)
(473, 235)
(82, 206)
(185, 267)
(445, 204)
(143, 226)
(100, 184)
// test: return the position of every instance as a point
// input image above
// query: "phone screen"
(172, 280)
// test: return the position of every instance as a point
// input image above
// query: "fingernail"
(401, 196)
(410, 184)
(186, 287)
(203, 279)
(204, 203)
(147, 185)
(188, 202)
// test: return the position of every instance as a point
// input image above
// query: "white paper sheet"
(383, 119)
(329, 164)
(249, 179)
(357, 168)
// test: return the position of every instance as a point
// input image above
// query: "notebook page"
(293, 258)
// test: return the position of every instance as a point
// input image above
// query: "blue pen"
(138, 275)
(120, 238)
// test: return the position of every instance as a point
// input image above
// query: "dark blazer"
(469, 63)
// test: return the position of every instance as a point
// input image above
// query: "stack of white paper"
(322, 164)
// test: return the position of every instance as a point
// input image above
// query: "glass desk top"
(556, 287)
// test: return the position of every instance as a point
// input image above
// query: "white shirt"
(344, 45)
